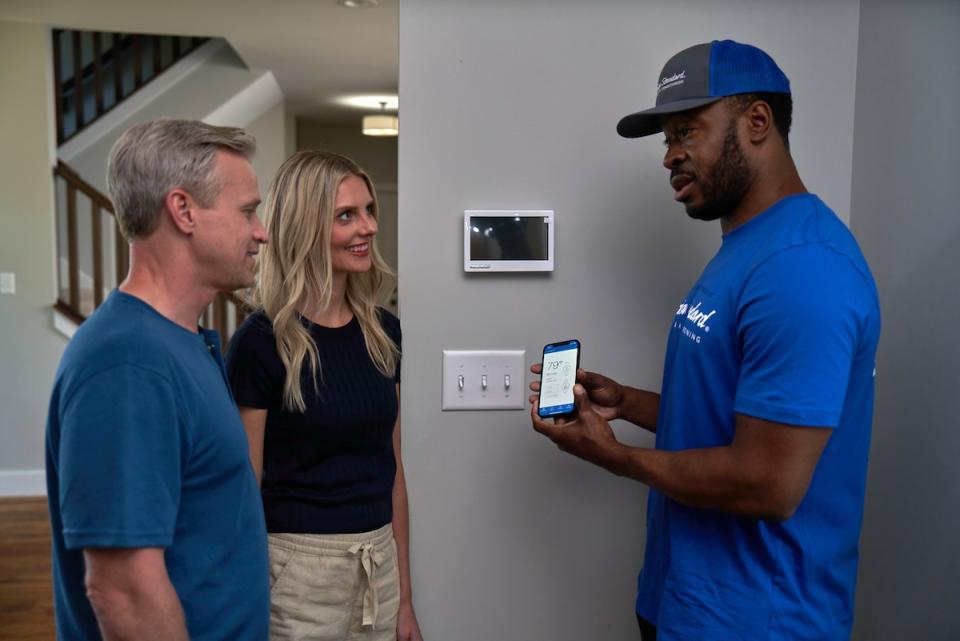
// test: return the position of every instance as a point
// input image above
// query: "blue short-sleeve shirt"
(145, 448)
(782, 325)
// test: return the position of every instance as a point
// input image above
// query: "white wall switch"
(484, 380)
(8, 283)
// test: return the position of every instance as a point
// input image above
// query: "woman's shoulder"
(390, 324)
(256, 329)
(257, 322)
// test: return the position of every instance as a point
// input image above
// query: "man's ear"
(759, 119)
(181, 209)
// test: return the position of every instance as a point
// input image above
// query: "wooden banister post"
(77, 81)
(97, 254)
(73, 258)
(120, 253)
(117, 69)
(220, 315)
(97, 75)
(137, 61)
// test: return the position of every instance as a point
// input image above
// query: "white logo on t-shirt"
(696, 317)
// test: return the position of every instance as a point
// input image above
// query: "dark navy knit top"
(330, 469)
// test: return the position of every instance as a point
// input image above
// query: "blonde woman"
(316, 373)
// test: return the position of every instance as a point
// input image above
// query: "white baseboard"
(23, 483)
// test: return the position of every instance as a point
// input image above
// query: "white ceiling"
(317, 49)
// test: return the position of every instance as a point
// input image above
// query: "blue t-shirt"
(145, 448)
(782, 325)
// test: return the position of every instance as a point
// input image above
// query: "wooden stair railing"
(95, 71)
(97, 243)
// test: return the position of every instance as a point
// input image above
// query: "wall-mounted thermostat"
(507, 240)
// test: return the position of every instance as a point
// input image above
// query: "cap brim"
(644, 123)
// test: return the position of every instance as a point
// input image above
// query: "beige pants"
(334, 587)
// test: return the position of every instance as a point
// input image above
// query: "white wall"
(514, 105)
(29, 349)
(905, 204)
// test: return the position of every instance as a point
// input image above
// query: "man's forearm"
(763, 473)
(640, 407)
(146, 612)
(708, 478)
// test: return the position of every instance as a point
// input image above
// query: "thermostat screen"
(508, 238)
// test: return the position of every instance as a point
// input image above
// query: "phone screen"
(560, 362)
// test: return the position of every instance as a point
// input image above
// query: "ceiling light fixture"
(367, 101)
(381, 124)
(357, 4)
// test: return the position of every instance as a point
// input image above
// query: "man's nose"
(673, 156)
(259, 231)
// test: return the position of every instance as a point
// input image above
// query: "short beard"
(727, 182)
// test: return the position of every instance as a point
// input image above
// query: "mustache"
(679, 172)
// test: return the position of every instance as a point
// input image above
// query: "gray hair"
(152, 158)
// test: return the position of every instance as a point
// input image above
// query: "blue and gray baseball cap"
(703, 74)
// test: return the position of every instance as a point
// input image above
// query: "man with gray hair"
(158, 528)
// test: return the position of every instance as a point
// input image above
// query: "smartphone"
(559, 373)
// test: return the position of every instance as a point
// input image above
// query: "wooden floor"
(26, 600)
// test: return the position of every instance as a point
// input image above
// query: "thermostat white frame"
(470, 265)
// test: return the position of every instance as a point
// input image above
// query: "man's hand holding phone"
(583, 430)
(605, 394)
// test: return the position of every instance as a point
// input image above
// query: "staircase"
(94, 73)
(99, 262)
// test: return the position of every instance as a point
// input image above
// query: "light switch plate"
(500, 367)
(8, 283)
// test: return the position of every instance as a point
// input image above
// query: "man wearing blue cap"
(763, 419)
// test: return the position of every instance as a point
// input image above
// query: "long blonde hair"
(295, 266)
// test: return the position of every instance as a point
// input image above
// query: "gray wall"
(29, 349)
(905, 205)
(513, 105)
(272, 144)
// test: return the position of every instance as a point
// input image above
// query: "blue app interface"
(559, 375)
